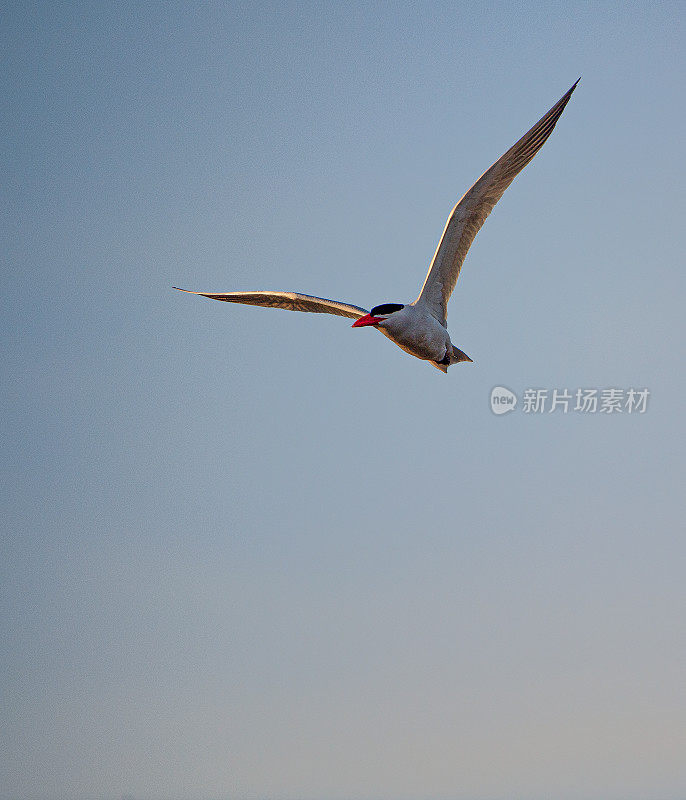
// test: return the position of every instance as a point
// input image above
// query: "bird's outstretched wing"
(291, 301)
(470, 213)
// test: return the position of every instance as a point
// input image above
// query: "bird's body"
(420, 328)
(418, 333)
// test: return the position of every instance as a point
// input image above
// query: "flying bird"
(420, 327)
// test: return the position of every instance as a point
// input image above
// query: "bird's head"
(378, 315)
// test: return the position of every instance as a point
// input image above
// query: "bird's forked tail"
(455, 358)
(458, 356)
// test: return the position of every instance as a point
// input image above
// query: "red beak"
(368, 319)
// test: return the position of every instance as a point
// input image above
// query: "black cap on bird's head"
(378, 314)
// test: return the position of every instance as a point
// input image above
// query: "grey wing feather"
(291, 301)
(470, 213)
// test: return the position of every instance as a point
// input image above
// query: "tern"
(420, 327)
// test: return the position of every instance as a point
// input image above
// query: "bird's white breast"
(418, 333)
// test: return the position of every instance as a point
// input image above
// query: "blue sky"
(251, 554)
